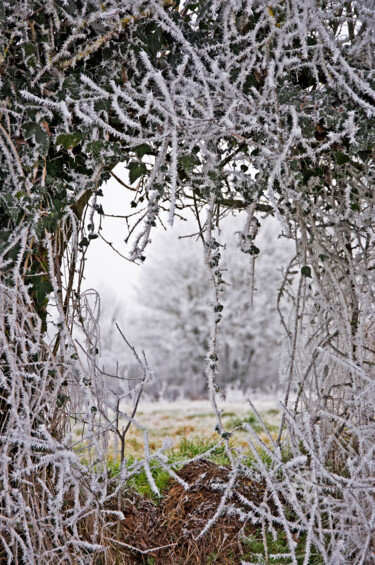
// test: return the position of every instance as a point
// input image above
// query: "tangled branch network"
(263, 106)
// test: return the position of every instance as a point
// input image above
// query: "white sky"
(104, 267)
(105, 270)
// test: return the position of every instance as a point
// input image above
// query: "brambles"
(212, 106)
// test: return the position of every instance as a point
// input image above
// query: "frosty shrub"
(265, 106)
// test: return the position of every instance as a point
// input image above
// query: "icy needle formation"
(263, 105)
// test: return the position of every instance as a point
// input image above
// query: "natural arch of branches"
(213, 105)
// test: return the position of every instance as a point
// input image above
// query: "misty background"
(163, 305)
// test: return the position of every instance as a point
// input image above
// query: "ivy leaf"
(306, 271)
(341, 158)
(61, 400)
(136, 170)
(99, 209)
(355, 206)
(188, 162)
(142, 150)
(29, 129)
(33, 130)
(69, 140)
(254, 250)
(43, 288)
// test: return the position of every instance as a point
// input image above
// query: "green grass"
(273, 412)
(140, 482)
(251, 419)
(254, 549)
(186, 448)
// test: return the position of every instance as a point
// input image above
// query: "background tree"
(173, 311)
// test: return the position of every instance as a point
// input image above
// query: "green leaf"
(254, 250)
(71, 85)
(61, 400)
(99, 209)
(97, 148)
(33, 130)
(306, 271)
(143, 149)
(341, 158)
(55, 168)
(355, 207)
(41, 288)
(136, 170)
(29, 49)
(188, 162)
(69, 140)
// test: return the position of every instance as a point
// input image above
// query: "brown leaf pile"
(168, 534)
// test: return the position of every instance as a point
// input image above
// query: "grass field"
(192, 422)
(196, 419)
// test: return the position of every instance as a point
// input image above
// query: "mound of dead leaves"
(169, 533)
